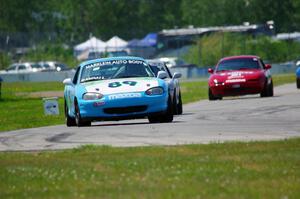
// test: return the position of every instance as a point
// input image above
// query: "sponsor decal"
(96, 66)
(98, 103)
(238, 75)
(235, 80)
(124, 95)
(235, 75)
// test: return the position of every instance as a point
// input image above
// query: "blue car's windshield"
(115, 69)
(238, 64)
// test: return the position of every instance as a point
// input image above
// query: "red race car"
(240, 75)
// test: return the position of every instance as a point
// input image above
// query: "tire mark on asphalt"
(3, 140)
(59, 137)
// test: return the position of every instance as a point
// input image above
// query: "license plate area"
(236, 86)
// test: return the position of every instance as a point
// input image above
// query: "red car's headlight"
(216, 82)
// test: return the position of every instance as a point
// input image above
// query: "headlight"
(155, 91)
(217, 83)
(92, 96)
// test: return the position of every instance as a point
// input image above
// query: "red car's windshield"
(239, 64)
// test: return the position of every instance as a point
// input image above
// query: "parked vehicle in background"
(24, 67)
(298, 77)
(53, 66)
(171, 80)
(114, 89)
(174, 62)
(240, 75)
(298, 63)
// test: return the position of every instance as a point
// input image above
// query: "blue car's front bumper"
(133, 107)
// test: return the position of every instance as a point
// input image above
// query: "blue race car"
(114, 89)
(298, 77)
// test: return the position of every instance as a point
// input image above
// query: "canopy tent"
(133, 43)
(149, 40)
(115, 44)
(92, 44)
(144, 47)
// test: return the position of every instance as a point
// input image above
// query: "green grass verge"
(19, 110)
(12, 88)
(193, 91)
(284, 79)
(229, 170)
(26, 112)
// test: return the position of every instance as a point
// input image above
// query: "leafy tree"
(211, 48)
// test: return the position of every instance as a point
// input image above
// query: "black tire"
(179, 106)
(211, 96)
(163, 118)
(268, 90)
(153, 119)
(264, 92)
(175, 111)
(298, 83)
(69, 120)
(271, 90)
(78, 119)
(168, 116)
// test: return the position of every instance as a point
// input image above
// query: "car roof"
(240, 57)
(111, 59)
(154, 61)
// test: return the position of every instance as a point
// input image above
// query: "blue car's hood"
(124, 85)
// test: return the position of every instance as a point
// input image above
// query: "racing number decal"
(130, 83)
(114, 84)
(118, 84)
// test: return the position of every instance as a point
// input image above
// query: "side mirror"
(268, 66)
(68, 81)
(162, 75)
(210, 70)
(176, 75)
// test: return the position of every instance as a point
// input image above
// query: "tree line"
(74, 20)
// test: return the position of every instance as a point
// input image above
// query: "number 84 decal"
(118, 84)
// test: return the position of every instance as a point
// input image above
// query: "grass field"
(229, 170)
(20, 110)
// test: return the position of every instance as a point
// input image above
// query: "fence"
(187, 73)
(195, 72)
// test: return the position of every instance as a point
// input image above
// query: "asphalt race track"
(240, 118)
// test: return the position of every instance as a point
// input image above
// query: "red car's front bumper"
(237, 88)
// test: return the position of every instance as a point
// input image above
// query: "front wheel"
(165, 117)
(268, 90)
(69, 120)
(298, 83)
(264, 92)
(179, 106)
(271, 90)
(78, 119)
(212, 97)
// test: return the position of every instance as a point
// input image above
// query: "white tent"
(93, 44)
(115, 44)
